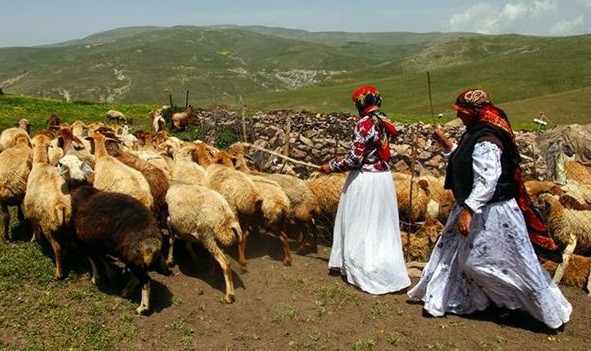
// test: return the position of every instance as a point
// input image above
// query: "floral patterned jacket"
(363, 154)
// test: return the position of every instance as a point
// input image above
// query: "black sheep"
(114, 224)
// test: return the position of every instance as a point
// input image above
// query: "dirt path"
(304, 308)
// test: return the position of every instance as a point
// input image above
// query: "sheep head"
(75, 170)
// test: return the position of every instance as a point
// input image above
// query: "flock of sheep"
(115, 195)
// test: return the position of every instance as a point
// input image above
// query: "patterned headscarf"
(366, 98)
(471, 101)
(476, 102)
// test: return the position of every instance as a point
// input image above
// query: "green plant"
(364, 344)
(394, 339)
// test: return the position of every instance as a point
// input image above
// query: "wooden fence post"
(244, 138)
(287, 134)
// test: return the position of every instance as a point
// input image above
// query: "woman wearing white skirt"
(366, 246)
(485, 253)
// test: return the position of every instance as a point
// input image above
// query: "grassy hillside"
(276, 68)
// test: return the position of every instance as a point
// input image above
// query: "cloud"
(489, 19)
(567, 27)
(586, 3)
(543, 7)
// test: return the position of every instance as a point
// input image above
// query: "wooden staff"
(307, 164)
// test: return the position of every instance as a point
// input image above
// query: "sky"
(40, 22)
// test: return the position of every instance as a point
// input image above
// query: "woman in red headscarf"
(366, 247)
(486, 251)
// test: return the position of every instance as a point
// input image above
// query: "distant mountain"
(285, 68)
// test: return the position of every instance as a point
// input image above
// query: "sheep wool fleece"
(366, 244)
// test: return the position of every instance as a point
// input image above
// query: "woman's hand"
(325, 168)
(439, 136)
(465, 220)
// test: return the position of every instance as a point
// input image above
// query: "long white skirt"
(495, 262)
(366, 242)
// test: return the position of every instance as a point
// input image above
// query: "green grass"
(41, 313)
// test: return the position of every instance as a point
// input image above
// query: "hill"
(278, 68)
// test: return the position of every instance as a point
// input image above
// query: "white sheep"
(112, 224)
(158, 121)
(274, 216)
(570, 228)
(113, 115)
(183, 167)
(327, 190)
(24, 123)
(199, 214)
(15, 166)
(113, 175)
(241, 193)
(304, 209)
(47, 203)
(8, 137)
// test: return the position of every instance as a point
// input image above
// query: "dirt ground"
(302, 307)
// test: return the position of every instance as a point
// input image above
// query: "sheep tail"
(229, 237)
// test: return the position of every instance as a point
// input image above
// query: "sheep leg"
(189, 248)
(57, 252)
(242, 250)
(6, 221)
(140, 276)
(224, 263)
(20, 214)
(170, 254)
(95, 273)
(306, 237)
(301, 235)
(144, 307)
(131, 285)
(282, 236)
(37, 232)
(566, 255)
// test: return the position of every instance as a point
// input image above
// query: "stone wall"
(316, 138)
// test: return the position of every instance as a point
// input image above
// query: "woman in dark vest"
(486, 251)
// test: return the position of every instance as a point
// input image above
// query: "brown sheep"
(577, 274)
(577, 171)
(418, 246)
(53, 122)
(536, 187)
(180, 120)
(570, 202)
(156, 178)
